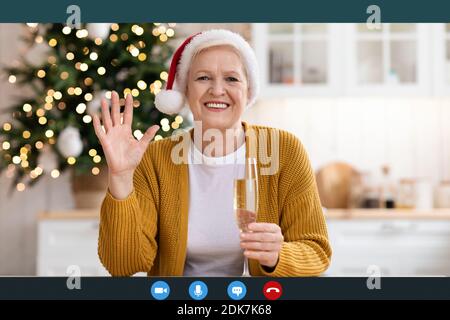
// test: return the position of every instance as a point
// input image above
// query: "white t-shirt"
(213, 244)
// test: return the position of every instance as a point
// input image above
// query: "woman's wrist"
(120, 185)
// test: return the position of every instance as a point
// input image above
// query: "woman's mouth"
(216, 106)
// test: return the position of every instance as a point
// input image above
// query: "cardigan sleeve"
(128, 227)
(306, 250)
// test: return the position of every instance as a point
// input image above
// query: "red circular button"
(272, 290)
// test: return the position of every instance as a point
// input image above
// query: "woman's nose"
(217, 88)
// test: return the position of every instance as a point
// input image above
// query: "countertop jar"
(406, 194)
(443, 195)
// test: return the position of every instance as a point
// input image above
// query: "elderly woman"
(169, 216)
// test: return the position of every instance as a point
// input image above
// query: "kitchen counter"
(404, 214)
(342, 214)
(70, 214)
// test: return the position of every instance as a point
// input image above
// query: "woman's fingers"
(149, 134)
(98, 128)
(264, 227)
(106, 117)
(115, 108)
(261, 246)
(128, 112)
(261, 236)
(263, 242)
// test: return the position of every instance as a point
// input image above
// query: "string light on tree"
(82, 33)
(66, 30)
(6, 145)
(52, 42)
(142, 85)
(87, 119)
(71, 160)
(7, 126)
(81, 108)
(70, 56)
(27, 107)
(55, 173)
(97, 159)
(138, 134)
(164, 75)
(101, 71)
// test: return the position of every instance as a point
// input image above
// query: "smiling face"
(217, 88)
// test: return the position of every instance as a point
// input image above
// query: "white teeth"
(217, 105)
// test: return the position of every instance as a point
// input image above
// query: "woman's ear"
(186, 94)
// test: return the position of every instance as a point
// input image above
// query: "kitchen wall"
(411, 135)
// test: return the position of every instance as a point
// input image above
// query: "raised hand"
(122, 151)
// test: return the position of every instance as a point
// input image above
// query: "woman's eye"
(233, 79)
(203, 78)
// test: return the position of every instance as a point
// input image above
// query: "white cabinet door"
(298, 59)
(441, 58)
(397, 247)
(394, 60)
(62, 243)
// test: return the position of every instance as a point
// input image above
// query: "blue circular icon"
(198, 290)
(160, 290)
(237, 290)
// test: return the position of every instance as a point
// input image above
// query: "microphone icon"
(198, 290)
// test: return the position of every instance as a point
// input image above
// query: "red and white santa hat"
(172, 99)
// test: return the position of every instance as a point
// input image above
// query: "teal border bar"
(314, 288)
(226, 10)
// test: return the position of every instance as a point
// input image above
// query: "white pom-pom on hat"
(171, 100)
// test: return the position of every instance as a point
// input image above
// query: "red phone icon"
(272, 290)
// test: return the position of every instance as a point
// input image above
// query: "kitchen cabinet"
(297, 59)
(441, 56)
(405, 244)
(349, 59)
(69, 238)
(65, 240)
(393, 60)
(400, 242)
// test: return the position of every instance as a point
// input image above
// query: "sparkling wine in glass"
(246, 201)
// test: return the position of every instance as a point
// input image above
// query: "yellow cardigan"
(147, 231)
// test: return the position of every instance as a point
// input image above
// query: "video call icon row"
(198, 290)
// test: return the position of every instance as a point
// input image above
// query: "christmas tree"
(51, 130)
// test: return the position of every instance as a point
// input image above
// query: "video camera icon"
(160, 290)
(237, 290)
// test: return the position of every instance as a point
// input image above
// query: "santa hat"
(172, 99)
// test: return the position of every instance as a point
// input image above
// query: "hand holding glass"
(246, 201)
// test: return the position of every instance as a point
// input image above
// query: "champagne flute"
(246, 201)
